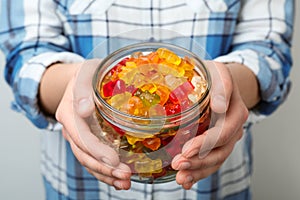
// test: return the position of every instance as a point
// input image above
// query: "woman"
(47, 43)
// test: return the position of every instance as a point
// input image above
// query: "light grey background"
(276, 147)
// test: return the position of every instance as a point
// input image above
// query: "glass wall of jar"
(151, 98)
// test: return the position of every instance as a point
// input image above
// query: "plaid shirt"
(36, 33)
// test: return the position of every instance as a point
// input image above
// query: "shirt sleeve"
(31, 42)
(262, 42)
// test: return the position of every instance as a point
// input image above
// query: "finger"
(65, 134)
(196, 148)
(201, 143)
(225, 128)
(121, 172)
(221, 86)
(210, 159)
(101, 177)
(122, 184)
(187, 178)
(117, 183)
(89, 143)
(235, 118)
(66, 116)
(80, 131)
(201, 168)
(210, 139)
(83, 89)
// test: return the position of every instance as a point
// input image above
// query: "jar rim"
(149, 45)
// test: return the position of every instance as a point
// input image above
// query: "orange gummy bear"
(152, 143)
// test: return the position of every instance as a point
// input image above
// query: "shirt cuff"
(248, 58)
(26, 87)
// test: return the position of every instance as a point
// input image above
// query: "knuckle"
(221, 159)
(99, 169)
(83, 162)
(78, 155)
(225, 137)
(202, 164)
(246, 114)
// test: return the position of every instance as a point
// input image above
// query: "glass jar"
(147, 143)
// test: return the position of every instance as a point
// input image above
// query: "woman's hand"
(204, 155)
(75, 108)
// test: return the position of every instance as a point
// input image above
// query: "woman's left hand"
(204, 154)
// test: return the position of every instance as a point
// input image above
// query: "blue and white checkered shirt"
(36, 33)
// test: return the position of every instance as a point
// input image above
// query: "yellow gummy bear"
(118, 100)
(148, 165)
(149, 87)
(169, 56)
(165, 70)
(132, 140)
(127, 75)
(131, 65)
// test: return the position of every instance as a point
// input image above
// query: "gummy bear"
(147, 98)
(181, 92)
(136, 106)
(138, 80)
(150, 87)
(156, 78)
(153, 57)
(128, 74)
(163, 92)
(130, 64)
(172, 108)
(148, 165)
(173, 82)
(113, 87)
(199, 84)
(132, 140)
(165, 70)
(152, 143)
(131, 88)
(185, 64)
(118, 68)
(137, 54)
(169, 56)
(119, 100)
(141, 61)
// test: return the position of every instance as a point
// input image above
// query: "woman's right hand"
(74, 108)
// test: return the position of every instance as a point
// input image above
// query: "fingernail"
(117, 188)
(220, 103)
(188, 179)
(118, 174)
(187, 152)
(118, 185)
(186, 146)
(84, 105)
(184, 165)
(175, 162)
(106, 161)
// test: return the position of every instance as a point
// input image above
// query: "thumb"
(83, 89)
(222, 86)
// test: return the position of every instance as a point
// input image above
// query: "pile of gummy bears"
(157, 83)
